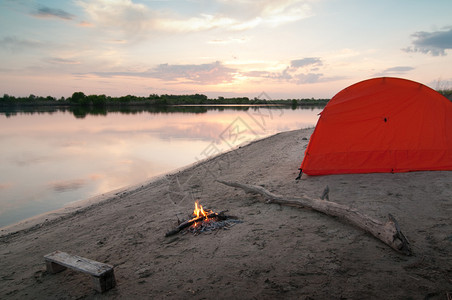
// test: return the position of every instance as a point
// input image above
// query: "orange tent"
(382, 125)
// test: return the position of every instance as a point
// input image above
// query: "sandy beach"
(277, 252)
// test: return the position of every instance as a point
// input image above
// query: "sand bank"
(277, 252)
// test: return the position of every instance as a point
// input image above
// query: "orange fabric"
(382, 125)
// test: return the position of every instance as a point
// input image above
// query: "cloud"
(299, 71)
(298, 63)
(14, 43)
(85, 24)
(240, 15)
(237, 15)
(230, 40)
(284, 75)
(256, 74)
(277, 13)
(250, 14)
(63, 61)
(292, 71)
(48, 12)
(212, 73)
(436, 43)
(311, 78)
(204, 73)
(120, 15)
(395, 71)
(201, 23)
(217, 73)
(308, 78)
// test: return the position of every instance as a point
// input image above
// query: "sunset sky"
(287, 48)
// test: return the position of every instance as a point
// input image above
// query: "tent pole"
(299, 175)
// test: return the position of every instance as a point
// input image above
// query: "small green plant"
(446, 93)
(444, 88)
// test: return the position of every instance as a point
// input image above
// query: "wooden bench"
(102, 274)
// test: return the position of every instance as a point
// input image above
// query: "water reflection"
(82, 111)
(51, 158)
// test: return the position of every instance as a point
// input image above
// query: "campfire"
(204, 220)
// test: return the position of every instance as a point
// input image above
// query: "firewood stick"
(389, 232)
(188, 223)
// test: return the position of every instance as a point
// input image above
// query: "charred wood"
(218, 216)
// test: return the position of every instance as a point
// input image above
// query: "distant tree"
(126, 99)
(446, 93)
(97, 100)
(200, 98)
(79, 98)
(153, 97)
(163, 100)
(6, 97)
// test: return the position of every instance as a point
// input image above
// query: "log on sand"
(389, 232)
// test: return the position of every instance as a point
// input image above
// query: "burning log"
(389, 232)
(200, 216)
(190, 222)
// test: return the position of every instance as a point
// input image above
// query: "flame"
(199, 211)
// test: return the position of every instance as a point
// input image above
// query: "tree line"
(103, 101)
(80, 99)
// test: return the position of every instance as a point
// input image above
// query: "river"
(49, 159)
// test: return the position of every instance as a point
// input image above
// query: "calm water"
(48, 160)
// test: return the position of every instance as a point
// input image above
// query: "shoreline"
(276, 252)
(82, 205)
(67, 210)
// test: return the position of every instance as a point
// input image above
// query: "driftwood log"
(389, 232)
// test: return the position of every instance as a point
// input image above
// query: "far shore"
(275, 253)
(79, 99)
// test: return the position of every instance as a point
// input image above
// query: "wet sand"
(277, 252)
